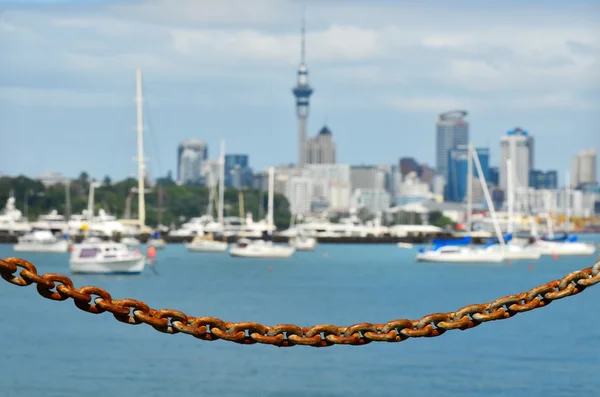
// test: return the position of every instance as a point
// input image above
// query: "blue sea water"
(53, 349)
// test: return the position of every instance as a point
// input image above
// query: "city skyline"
(82, 91)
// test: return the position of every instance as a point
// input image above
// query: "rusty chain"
(59, 287)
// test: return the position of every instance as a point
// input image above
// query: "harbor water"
(53, 349)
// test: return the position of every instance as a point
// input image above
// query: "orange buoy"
(151, 252)
(530, 267)
(554, 256)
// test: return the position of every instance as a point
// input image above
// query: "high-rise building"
(190, 156)
(543, 180)
(367, 177)
(516, 145)
(321, 148)
(238, 174)
(452, 131)
(494, 176)
(458, 163)
(583, 168)
(331, 185)
(302, 92)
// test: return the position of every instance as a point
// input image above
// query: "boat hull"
(58, 246)
(566, 249)
(262, 252)
(474, 257)
(308, 244)
(207, 246)
(122, 266)
(517, 252)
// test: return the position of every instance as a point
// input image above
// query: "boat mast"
(509, 180)
(140, 151)
(567, 202)
(488, 198)
(68, 199)
(222, 184)
(469, 188)
(270, 202)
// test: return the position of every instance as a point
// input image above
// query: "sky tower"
(302, 92)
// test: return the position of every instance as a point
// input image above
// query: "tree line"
(167, 203)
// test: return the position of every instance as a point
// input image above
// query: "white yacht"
(303, 243)
(99, 257)
(458, 254)
(12, 220)
(350, 226)
(514, 250)
(260, 249)
(41, 241)
(52, 221)
(461, 251)
(206, 243)
(569, 247)
(263, 248)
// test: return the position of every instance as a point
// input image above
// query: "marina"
(350, 281)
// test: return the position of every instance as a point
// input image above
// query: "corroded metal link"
(60, 287)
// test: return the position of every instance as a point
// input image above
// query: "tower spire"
(303, 44)
(302, 91)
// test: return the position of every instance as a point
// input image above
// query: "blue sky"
(381, 70)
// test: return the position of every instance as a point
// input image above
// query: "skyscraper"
(321, 148)
(583, 167)
(456, 187)
(452, 131)
(190, 155)
(302, 92)
(516, 145)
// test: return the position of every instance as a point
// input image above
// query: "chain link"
(59, 287)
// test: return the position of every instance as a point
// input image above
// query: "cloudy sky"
(224, 69)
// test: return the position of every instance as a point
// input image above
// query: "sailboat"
(156, 239)
(206, 242)
(461, 251)
(263, 248)
(568, 245)
(99, 257)
(510, 249)
(300, 241)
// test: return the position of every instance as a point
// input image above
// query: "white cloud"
(410, 45)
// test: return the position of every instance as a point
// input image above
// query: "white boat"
(461, 251)
(206, 243)
(404, 245)
(568, 248)
(260, 249)
(263, 248)
(303, 243)
(11, 219)
(105, 258)
(512, 249)
(41, 241)
(458, 254)
(515, 252)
